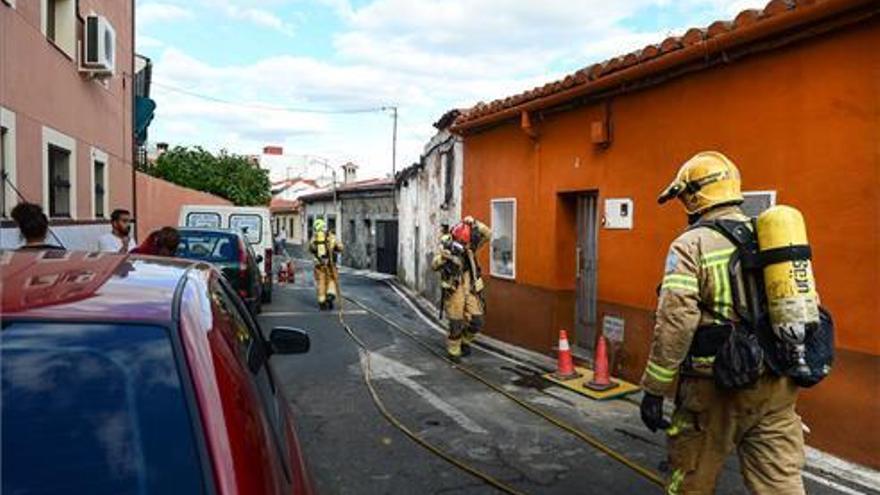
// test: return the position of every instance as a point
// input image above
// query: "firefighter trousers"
(464, 309)
(326, 282)
(759, 422)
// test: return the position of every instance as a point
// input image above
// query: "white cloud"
(148, 13)
(426, 56)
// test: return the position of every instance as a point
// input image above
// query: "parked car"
(229, 251)
(136, 374)
(254, 221)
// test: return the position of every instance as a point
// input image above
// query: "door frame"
(587, 225)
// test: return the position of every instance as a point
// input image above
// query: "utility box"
(618, 214)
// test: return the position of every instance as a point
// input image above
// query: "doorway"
(586, 270)
(386, 246)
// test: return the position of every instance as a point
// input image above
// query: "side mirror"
(259, 258)
(287, 340)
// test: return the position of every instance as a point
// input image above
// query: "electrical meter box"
(618, 213)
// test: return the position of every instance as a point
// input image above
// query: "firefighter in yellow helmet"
(461, 284)
(695, 314)
(324, 247)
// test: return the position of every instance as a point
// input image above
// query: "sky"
(242, 74)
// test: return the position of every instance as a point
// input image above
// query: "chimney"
(161, 148)
(273, 150)
(349, 173)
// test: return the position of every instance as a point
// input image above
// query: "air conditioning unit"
(99, 50)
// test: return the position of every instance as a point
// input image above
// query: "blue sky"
(424, 56)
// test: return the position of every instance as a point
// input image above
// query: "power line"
(272, 108)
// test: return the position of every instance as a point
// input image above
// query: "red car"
(135, 374)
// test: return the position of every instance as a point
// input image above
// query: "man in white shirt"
(119, 240)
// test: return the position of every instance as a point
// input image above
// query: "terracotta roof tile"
(587, 75)
(747, 17)
(718, 28)
(693, 36)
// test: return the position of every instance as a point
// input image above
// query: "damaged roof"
(777, 17)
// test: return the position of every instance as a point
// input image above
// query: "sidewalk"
(822, 468)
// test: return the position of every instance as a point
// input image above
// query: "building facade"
(568, 174)
(364, 217)
(65, 128)
(429, 199)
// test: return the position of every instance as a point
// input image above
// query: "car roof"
(209, 230)
(79, 285)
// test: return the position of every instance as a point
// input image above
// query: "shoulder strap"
(739, 233)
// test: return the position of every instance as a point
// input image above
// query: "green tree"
(230, 176)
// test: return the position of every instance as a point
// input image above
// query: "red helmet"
(461, 232)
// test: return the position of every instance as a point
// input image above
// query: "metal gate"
(586, 270)
(386, 247)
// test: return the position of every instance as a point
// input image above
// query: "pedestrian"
(162, 242)
(282, 240)
(119, 239)
(324, 247)
(696, 318)
(33, 225)
(461, 284)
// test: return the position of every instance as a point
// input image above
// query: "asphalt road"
(352, 449)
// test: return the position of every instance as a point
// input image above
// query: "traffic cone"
(565, 367)
(601, 377)
(291, 272)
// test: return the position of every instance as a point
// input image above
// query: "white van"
(255, 221)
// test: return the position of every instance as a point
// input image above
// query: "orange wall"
(159, 203)
(803, 120)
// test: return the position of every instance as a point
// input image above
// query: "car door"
(253, 356)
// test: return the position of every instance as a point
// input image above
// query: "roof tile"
(670, 44)
(649, 52)
(747, 18)
(778, 7)
(693, 36)
(718, 28)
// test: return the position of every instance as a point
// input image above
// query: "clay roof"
(777, 17)
(365, 185)
(278, 205)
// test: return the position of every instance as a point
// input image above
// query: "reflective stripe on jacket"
(695, 277)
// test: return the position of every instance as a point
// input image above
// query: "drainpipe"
(134, 153)
(525, 123)
(698, 51)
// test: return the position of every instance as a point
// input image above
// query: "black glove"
(652, 412)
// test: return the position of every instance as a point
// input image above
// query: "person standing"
(461, 284)
(119, 239)
(33, 226)
(324, 247)
(696, 315)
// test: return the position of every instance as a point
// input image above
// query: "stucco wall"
(159, 203)
(422, 211)
(802, 120)
(359, 216)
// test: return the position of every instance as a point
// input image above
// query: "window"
(251, 225)
(203, 220)
(502, 262)
(290, 227)
(59, 182)
(59, 174)
(331, 223)
(100, 406)
(7, 162)
(352, 229)
(99, 183)
(757, 201)
(449, 177)
(59, 24)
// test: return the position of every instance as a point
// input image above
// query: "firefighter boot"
(470, 334)
(453, 342)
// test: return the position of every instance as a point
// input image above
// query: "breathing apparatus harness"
(744, 349)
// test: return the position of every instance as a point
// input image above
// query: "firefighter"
(324, 247)
(695, 298)
(461, 284)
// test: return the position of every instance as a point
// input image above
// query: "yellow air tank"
(321, 243)
(792, 300)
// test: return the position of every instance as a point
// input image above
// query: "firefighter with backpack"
(324, 247)
(461, 283)
(737, 330)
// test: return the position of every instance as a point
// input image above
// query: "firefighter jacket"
(324, 248)
(695, 292)
(454, 266)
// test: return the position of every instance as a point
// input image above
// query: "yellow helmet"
(319, 225)
(706, 180)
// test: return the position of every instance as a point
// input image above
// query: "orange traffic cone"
(601, 377)
(291, 272)
(565, 367)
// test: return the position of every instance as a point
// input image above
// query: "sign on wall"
(612, 328)
(618, 213)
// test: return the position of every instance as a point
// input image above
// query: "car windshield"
(213, 247)
(94, 408)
